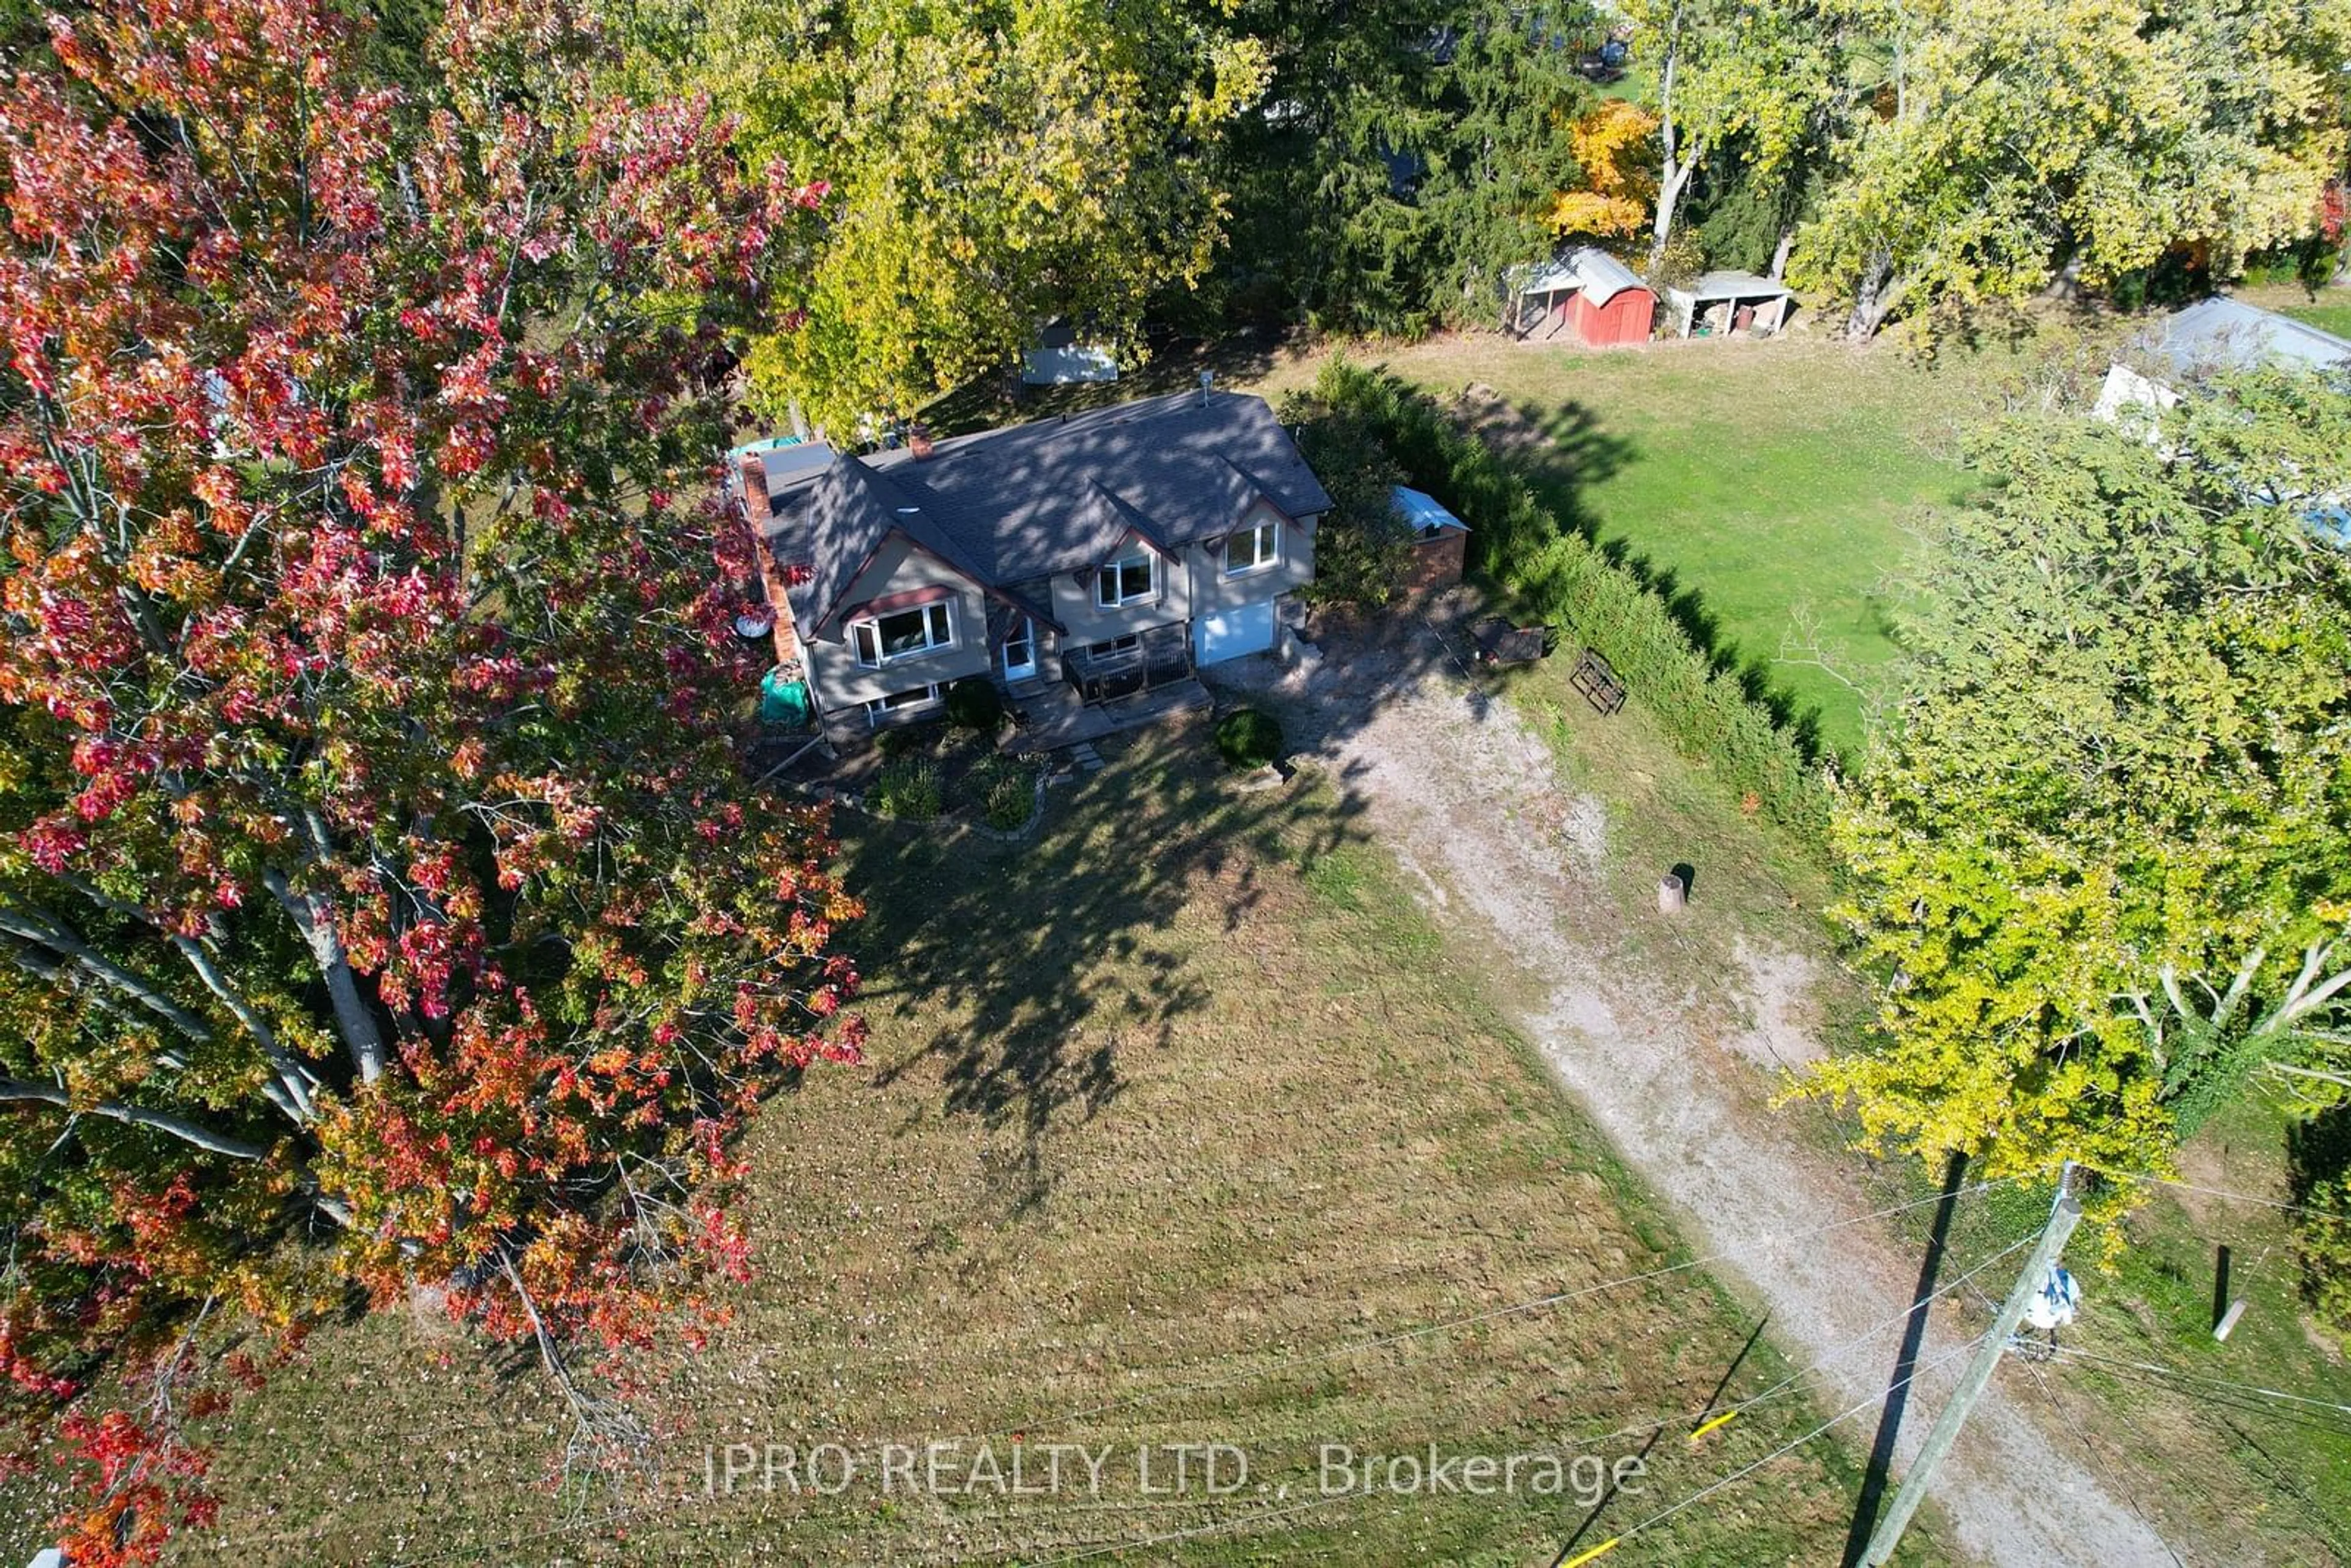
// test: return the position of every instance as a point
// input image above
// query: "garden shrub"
(2322, 1238)
(2318, 1170)
(1560, 576)
(1006, 791)
(1363, 546)
(972, 704)
(1247, 739)
(908, 789)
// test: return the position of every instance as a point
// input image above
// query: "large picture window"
(1123, 581)
(1252, 549)
(902, 634)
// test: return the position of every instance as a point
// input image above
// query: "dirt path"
(1453, 783)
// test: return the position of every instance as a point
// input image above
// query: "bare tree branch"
(180, 1128)
(290, 1089)
(44, 929)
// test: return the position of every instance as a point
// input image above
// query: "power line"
(2096, 1460)
(1265, 1515)
(2212, 1191)
(1743, 1472)
(2068, 1353)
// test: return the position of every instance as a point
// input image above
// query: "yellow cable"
(1710, 1426)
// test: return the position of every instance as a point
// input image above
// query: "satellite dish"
(753, 625)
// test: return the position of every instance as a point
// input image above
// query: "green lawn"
(2327, 318)
(1167, 1110)
(2328, 309)
(1773, 488)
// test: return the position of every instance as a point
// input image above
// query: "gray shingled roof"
(1009, 506)
(2220, 333)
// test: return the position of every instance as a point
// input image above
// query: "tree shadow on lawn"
(1061, 952)
(1562, 452)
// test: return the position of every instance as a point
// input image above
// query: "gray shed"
(1724, 303)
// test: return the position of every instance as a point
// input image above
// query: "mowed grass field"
(1776, 490)
(2328, 315)
(1169, 1114)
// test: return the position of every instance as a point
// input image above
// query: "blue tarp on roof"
(1423, 513)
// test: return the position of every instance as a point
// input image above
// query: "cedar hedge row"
(1560, 577)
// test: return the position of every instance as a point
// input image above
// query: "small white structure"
(2056, 1304)
(2125, 388)
(1059, 360)
(1726, 301)
(1058, 367)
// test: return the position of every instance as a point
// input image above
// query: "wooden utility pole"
(2064, 1215)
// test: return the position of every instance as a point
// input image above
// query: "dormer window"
(1252, 549)
(884, 639)
(1126, 581)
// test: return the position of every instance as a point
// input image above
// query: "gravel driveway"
(1450, 779)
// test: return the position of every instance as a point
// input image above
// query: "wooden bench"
(1599, 683)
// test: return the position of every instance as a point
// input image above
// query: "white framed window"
(1125, 580)
(902, 634)
(1252, 549)
(880, 708)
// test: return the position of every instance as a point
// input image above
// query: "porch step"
(1084, 755)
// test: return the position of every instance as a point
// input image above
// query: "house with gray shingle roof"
(2210, 338)
(1073, 561)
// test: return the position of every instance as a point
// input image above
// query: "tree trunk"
(1875, 297)
(1670, 195)
(1673, 171)
(315, 918)
(1780, 255)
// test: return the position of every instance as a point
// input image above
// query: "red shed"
(1611, 304)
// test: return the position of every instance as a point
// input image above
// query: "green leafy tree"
(2103, 859)
(1360, 546)
(1327, 226)
(1406, 155)
(1733, 78)
(992, 166)
(2000, 140)
(1510, 102)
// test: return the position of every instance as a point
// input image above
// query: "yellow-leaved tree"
(993, 164)
(1616, 148)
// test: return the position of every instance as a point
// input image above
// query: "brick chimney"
(772, 580)
(918, 442)
(752, 471)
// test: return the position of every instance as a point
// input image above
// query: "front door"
(1020, 650)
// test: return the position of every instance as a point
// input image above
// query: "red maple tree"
(381, 900)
